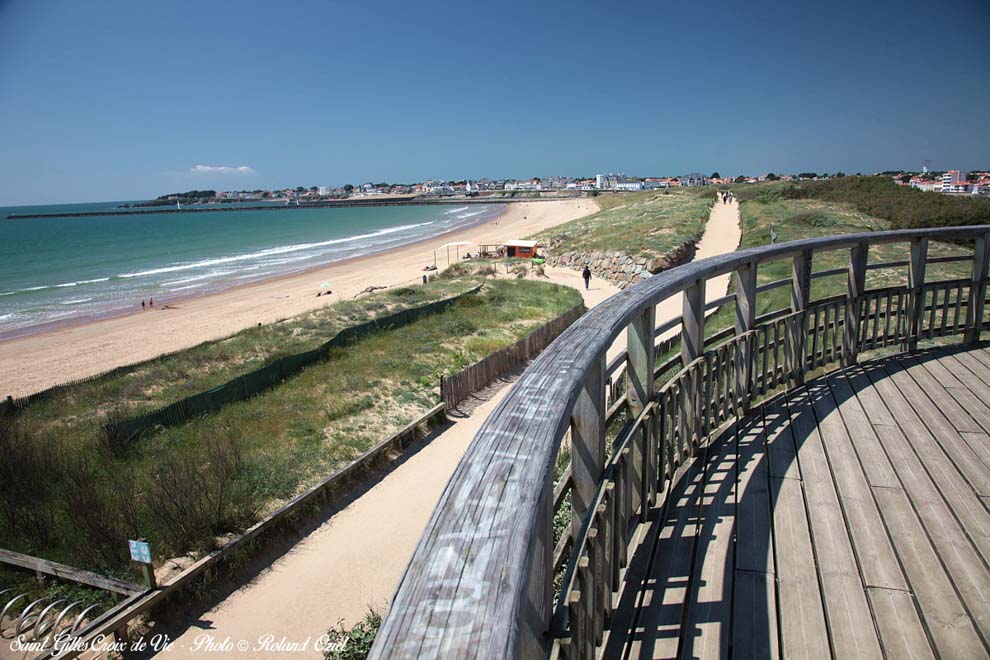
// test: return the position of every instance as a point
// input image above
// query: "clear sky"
(123, 99)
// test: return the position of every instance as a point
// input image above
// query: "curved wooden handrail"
(480, 583)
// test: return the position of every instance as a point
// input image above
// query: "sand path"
(357, 557)
(32, 363)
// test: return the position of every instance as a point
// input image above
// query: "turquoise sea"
(56, 270)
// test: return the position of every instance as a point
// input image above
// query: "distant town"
(950, 182)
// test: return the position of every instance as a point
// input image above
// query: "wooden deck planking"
(754, 546)
(846, 607)
(940, 428)
(874, 552)
(944, 481)
(947, 621)
(801, 616)
(896, 616)
(856, 529)
(659, 625)
(876, 466)
(709, 606)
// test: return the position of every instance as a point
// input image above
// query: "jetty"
(329, 204)
(809, 481)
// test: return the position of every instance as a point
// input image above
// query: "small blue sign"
(140, 551)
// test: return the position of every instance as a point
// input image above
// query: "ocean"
(56, 270)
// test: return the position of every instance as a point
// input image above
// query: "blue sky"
(122, 99)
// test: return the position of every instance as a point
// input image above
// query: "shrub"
(904, 207)
(353, 644)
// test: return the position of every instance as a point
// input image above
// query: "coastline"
(221, 287)
(33, 362)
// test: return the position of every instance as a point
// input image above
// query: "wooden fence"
(456, 388)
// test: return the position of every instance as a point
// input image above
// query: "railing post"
(640, 359)
(745, 321)
(800, 291)
(692, 346)
(587, 443)
(977, 289)
(916, 294)
(854, 302)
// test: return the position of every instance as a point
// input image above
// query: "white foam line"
(269, 252)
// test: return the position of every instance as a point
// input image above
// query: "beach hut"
(520, 249)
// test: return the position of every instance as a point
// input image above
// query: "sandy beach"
(35, 362)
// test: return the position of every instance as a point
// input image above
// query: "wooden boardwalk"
(846, 518)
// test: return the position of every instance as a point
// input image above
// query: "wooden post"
(854, 302)
(800, 292)
(587, 443)
(692, 346)
(745, 321)
(977, 289)
(916, 293)
(693, 323)
(640, 360)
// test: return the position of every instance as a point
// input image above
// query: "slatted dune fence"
(456, 388)
(270, 375)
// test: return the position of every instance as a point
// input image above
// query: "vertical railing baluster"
(598, 586)
(977, 288)
(934, 307)
(854, 302)
(800, 290)
(587, 443)
(945, 313)
(887, 316)
(958, 309)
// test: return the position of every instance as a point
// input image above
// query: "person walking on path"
(425, 279)
(586, 274)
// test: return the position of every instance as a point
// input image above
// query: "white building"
(628, 184)
(325, 190)
(954, 181)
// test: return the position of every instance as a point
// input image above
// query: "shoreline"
(33, 362)
(174, 299)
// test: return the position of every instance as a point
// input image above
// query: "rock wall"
(624, 269)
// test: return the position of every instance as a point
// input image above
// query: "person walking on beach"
(142, 304)
(151, 302)
(586, 274)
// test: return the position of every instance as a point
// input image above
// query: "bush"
(904, 207)
(353, 644)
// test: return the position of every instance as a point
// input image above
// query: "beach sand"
(35, 362)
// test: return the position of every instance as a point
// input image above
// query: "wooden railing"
(489, 579)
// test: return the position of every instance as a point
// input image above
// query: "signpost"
(141, 554)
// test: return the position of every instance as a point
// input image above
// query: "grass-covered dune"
(66, 495)
(648, 224)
